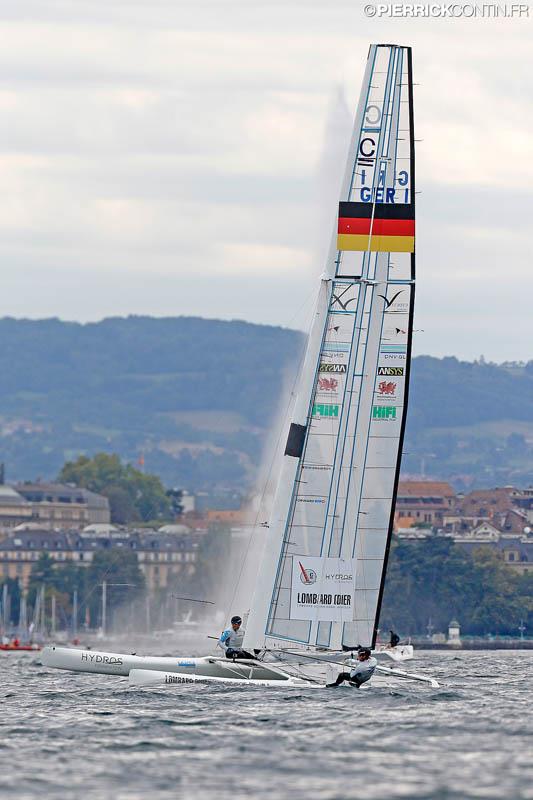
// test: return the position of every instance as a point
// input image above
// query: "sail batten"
(321, 578)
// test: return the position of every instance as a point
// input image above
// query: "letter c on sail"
(369, 118)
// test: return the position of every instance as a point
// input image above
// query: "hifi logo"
(325, 410)
(383, 412)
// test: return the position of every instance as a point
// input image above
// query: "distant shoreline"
(526, 644)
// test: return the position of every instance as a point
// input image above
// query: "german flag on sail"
(392, 230)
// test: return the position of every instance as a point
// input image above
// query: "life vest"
(233, 639)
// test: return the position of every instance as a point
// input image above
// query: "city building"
(515, 551)
(484, 503)
(63, 506)
(423, 502)
(162, 557)
(14, 508)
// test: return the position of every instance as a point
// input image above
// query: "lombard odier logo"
(307, 576)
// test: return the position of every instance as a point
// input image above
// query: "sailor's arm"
(223, 641)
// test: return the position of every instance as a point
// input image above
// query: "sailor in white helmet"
(231, 640)
(361, 669)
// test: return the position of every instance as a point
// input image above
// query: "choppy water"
(81, 736)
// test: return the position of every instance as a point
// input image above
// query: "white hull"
(150, 677)
(206, 669)
(402, 652)
(171, 672)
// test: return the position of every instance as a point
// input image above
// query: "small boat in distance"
(16, 647)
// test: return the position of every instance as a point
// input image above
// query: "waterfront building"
(162, 557)
(423, 502)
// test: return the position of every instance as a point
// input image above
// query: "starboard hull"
(148, 677)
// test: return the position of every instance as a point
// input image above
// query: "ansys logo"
(307, 576)
(340, 368)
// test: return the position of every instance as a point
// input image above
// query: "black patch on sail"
(295, 440)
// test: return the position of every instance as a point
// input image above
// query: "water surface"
(68, 735)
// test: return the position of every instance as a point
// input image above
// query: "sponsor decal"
(389, 302)
(393, 348)
(391, 371)
(338, 368)
(325, 410)
(336, 347)
(186, 664)
(392, 333)
(392, 305)
(94, 658)
(317, 466)
(328, 384)
(307, 576)
(340, 299)
(386, 388)
(328, 589)
(181, 679)
(315, 500)
(383, 412)
(396, 356)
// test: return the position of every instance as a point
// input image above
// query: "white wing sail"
(321, 578)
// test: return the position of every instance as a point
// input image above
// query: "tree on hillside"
(132, 495)
(436, 579)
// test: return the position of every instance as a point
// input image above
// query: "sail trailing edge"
(321, 579)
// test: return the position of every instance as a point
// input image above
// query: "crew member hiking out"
(231, 640)
(361, 669)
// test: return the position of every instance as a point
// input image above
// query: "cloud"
(166, 157)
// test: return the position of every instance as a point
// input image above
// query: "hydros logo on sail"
(328, 591)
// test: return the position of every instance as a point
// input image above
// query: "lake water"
(70, 735)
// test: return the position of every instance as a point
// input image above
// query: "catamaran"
(320, 583)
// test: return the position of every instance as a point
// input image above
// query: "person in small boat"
(394, 639)
(361, 669)
(231, 640)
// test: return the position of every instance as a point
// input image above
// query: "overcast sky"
(165, 158)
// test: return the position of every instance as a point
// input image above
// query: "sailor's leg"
(341, 677)
(244, 654)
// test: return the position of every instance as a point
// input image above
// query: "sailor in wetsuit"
(231, 640)
(361, 669)
(394, 639)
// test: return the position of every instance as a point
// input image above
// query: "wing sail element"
(321, 578)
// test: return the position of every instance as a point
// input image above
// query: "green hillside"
(198, 398)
